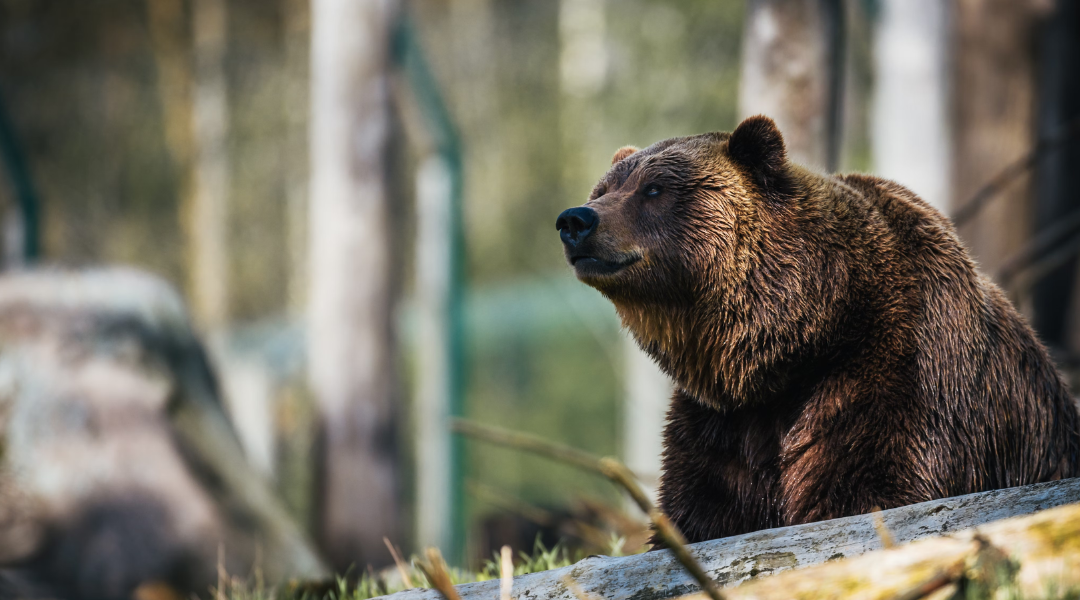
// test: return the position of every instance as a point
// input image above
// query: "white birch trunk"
(351, 367)
(788, 69)
(207, 220)
(911, 141)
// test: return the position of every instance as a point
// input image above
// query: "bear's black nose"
(575, 224)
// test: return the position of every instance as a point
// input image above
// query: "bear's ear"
(623, 152)
(757, 145)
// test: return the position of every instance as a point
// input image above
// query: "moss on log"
(1035, 556)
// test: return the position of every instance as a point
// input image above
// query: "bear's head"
(705, 244)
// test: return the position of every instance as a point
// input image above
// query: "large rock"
(118, 465)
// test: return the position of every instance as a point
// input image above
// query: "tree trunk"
(208, 212)
(1055, 301)
(994, 112)
(351, 366)
(296, 21)
(911, 52)
(792, 62)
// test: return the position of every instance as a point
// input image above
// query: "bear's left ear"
(757, 145)
(622, 153)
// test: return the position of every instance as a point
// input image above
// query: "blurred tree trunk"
(351, 302)
(195, 113)
(1055, 298)
(207, 213)
(994, 112)
(911, 54)
(296, 21)
(792, 68)
(170, 41)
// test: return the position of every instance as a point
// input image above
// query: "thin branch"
(400, 564)
(1005, 176)
(528, 443)
(670, 534)
(611, 468)
(511, 504)
(572, 527)
(677, 544)
(616, 471)
(1045, 266)
(1037, 246)
(887, 540)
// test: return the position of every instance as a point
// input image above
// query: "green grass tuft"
(371, 584)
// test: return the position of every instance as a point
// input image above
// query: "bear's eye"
(652, 190)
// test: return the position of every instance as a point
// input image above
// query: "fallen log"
(734, 560)
(1034, 556)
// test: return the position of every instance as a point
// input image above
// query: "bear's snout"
(575, 224)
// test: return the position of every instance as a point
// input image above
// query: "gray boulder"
(118, 465)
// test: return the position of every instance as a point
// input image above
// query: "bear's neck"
(715, 365)
(728, 356)
(795, 312)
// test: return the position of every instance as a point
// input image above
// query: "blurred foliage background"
(542, 93)
(81, 81)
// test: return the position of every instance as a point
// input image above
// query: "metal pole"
(409, 56)
(26, 195)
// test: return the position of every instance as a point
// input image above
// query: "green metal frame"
(23, 185)
(409, 57)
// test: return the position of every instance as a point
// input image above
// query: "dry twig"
(528, 443)
(506, 572)
(1004, 177)
(1038, 246)
(403, 570)
(572, 527)
(882, 529)
(437, 574)
(1039, 269)
(609, 467)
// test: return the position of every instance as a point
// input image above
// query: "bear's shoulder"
(900, 206)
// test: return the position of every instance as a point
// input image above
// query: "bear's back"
(998, 412)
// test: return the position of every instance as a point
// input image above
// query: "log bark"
(1036, 556)
(734, 560)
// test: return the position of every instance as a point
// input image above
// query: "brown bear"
(833, 346)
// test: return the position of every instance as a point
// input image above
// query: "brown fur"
(833, 346)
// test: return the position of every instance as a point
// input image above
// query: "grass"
(370, 583)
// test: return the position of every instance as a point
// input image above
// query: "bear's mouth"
(585, 265)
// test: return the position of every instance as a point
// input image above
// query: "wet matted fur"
(833, 346)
